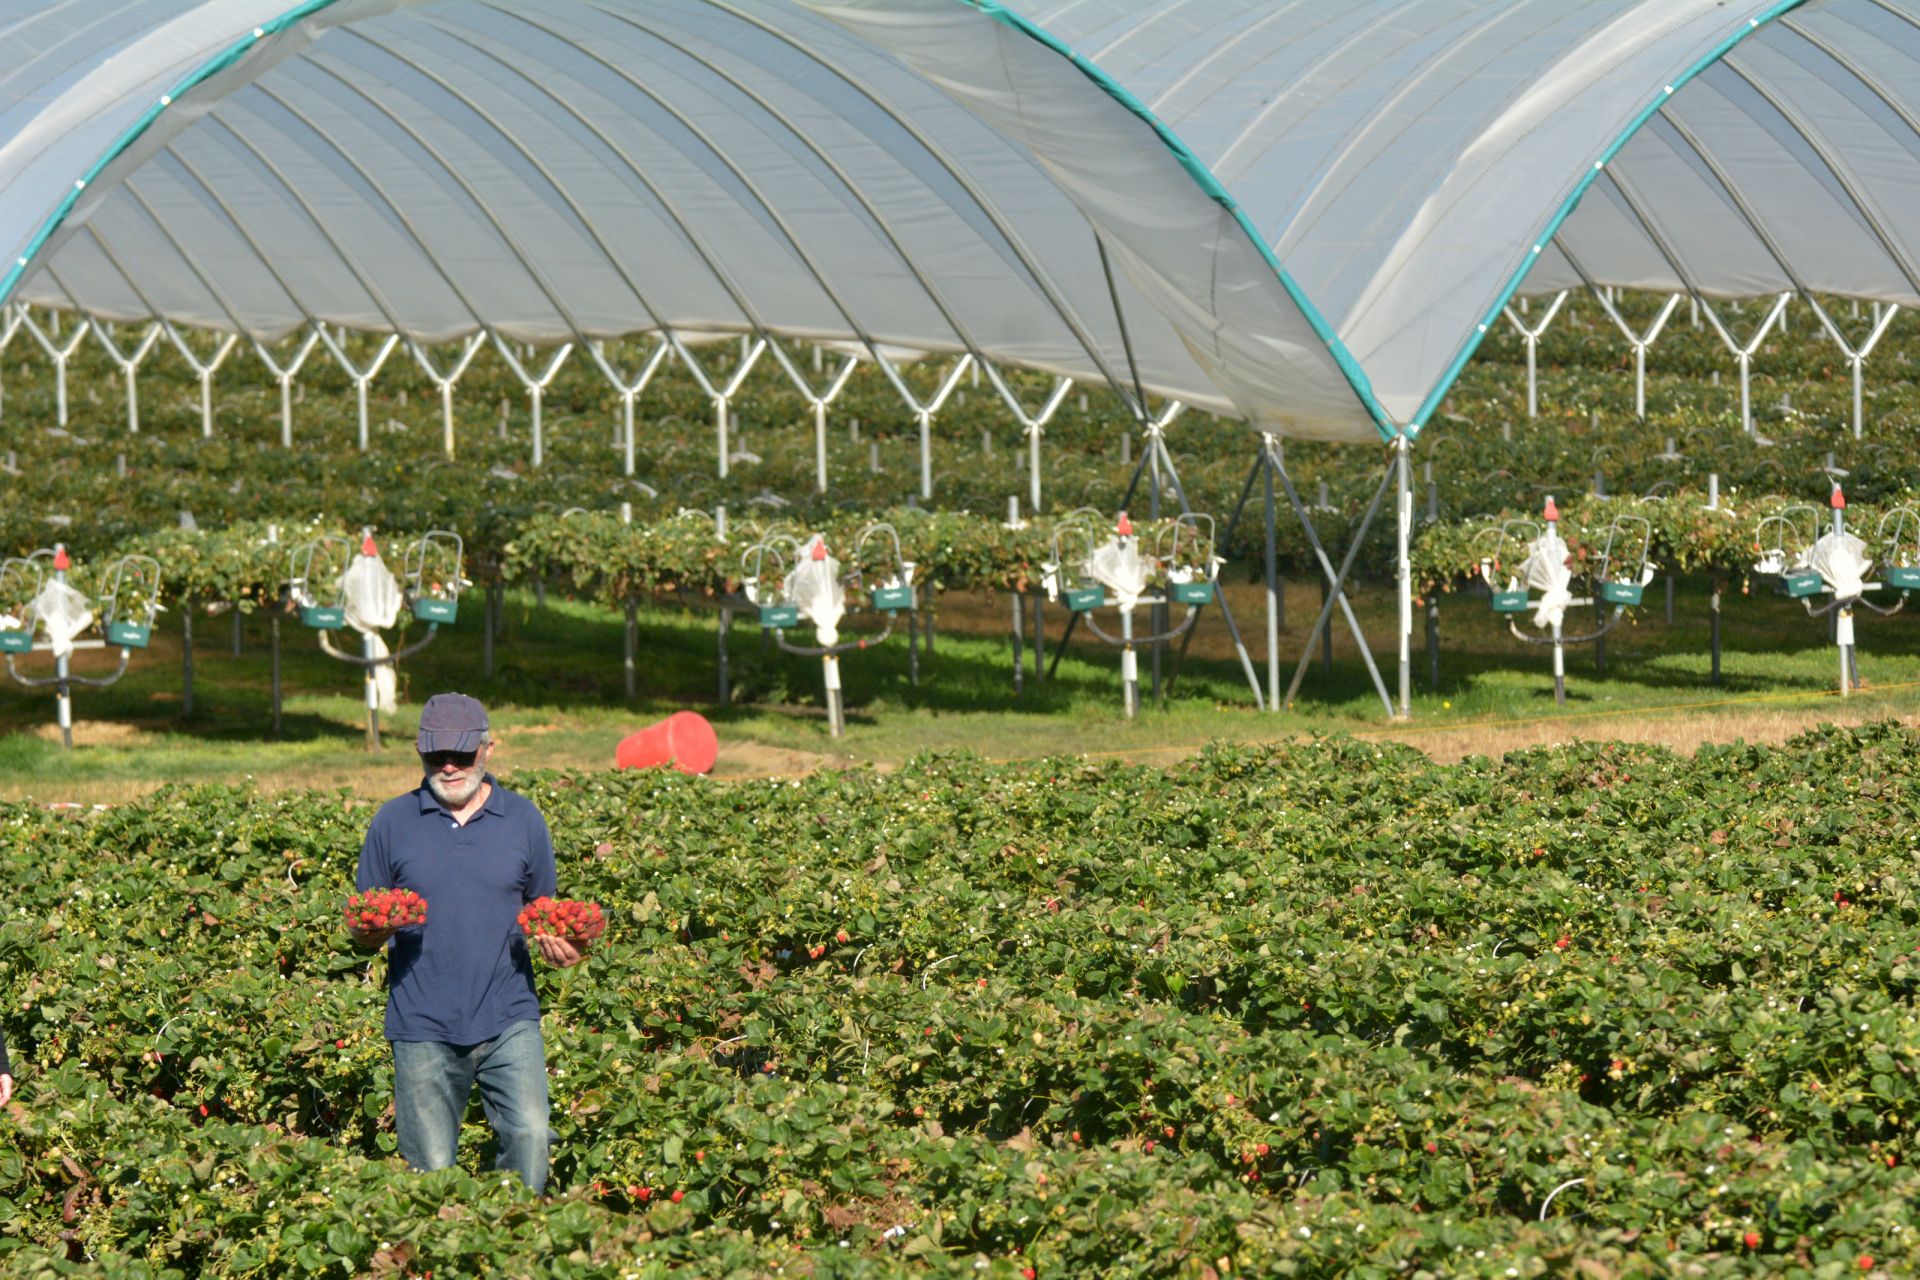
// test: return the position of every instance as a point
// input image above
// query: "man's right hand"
(370, 939)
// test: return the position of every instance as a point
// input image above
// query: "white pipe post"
(62, 694)
(361, 377)
(1129, 665)
(1034, 424)
(129, 366)
(285, 376)
(1639, 341)
(628, 390)
(1403, 569)
(59, 353)
(1743, 355)
(1532, 335)
(205, 369)
(721, 394)
(447, 381)
(1857, 360)
(819, 400)
(536, 391)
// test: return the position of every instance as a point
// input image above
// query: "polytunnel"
(1305, 215)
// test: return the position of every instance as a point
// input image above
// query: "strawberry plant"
(1324, 1007)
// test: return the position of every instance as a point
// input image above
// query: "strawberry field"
(1330, 1009)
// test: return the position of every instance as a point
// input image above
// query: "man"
(461, 1005)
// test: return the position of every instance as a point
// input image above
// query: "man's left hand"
(558, 952)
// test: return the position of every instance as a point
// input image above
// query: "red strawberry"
(675, 1197)
(645, 1194)
(1752, 1239)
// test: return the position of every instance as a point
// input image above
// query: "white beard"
(455, 796)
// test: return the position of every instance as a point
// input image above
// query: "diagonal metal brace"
(1336, 580)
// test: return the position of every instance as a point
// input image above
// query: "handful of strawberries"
(378, 909)
(576, 922)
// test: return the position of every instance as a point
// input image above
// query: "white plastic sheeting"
(371, 597)
(1311, 210)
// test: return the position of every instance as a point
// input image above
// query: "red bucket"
(684, 740)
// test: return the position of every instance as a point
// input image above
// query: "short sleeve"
(542, 878)
(375, 872)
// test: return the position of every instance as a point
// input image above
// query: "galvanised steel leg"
(629, 641)
(1129, 666)
(1403, 571)
(913, 647)
(273, 630)
(1433, 640)
(1713, 630)
(1019, 655)
(186, 659)
(1273, 580)
(1040, 639)
(726, 625)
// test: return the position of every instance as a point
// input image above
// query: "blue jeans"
(432, 1083)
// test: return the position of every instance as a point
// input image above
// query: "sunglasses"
(435, 759)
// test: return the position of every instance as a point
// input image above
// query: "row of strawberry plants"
(1328, 1008)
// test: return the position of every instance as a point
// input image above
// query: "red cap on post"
(819, 551)
(1125, 527)
(367, 548)
(1838, 500)
(60, 561)
(1552, 512)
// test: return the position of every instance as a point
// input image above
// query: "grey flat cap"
(451, 722)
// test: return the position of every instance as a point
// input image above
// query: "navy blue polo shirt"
(465, 975)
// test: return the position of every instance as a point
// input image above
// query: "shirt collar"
(430, 803)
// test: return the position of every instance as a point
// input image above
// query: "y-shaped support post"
(205, 368)
(1034, 424)
(819, 400)
(628, 391)
(721, 393)
(129, 365)
(1856, 359)
(1743, 355)
(362, 378)
(923, 411)
(59, 353)
(446, 381)
(284, 375)
(536, 386)
(1639, 341)
(1532, 336)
